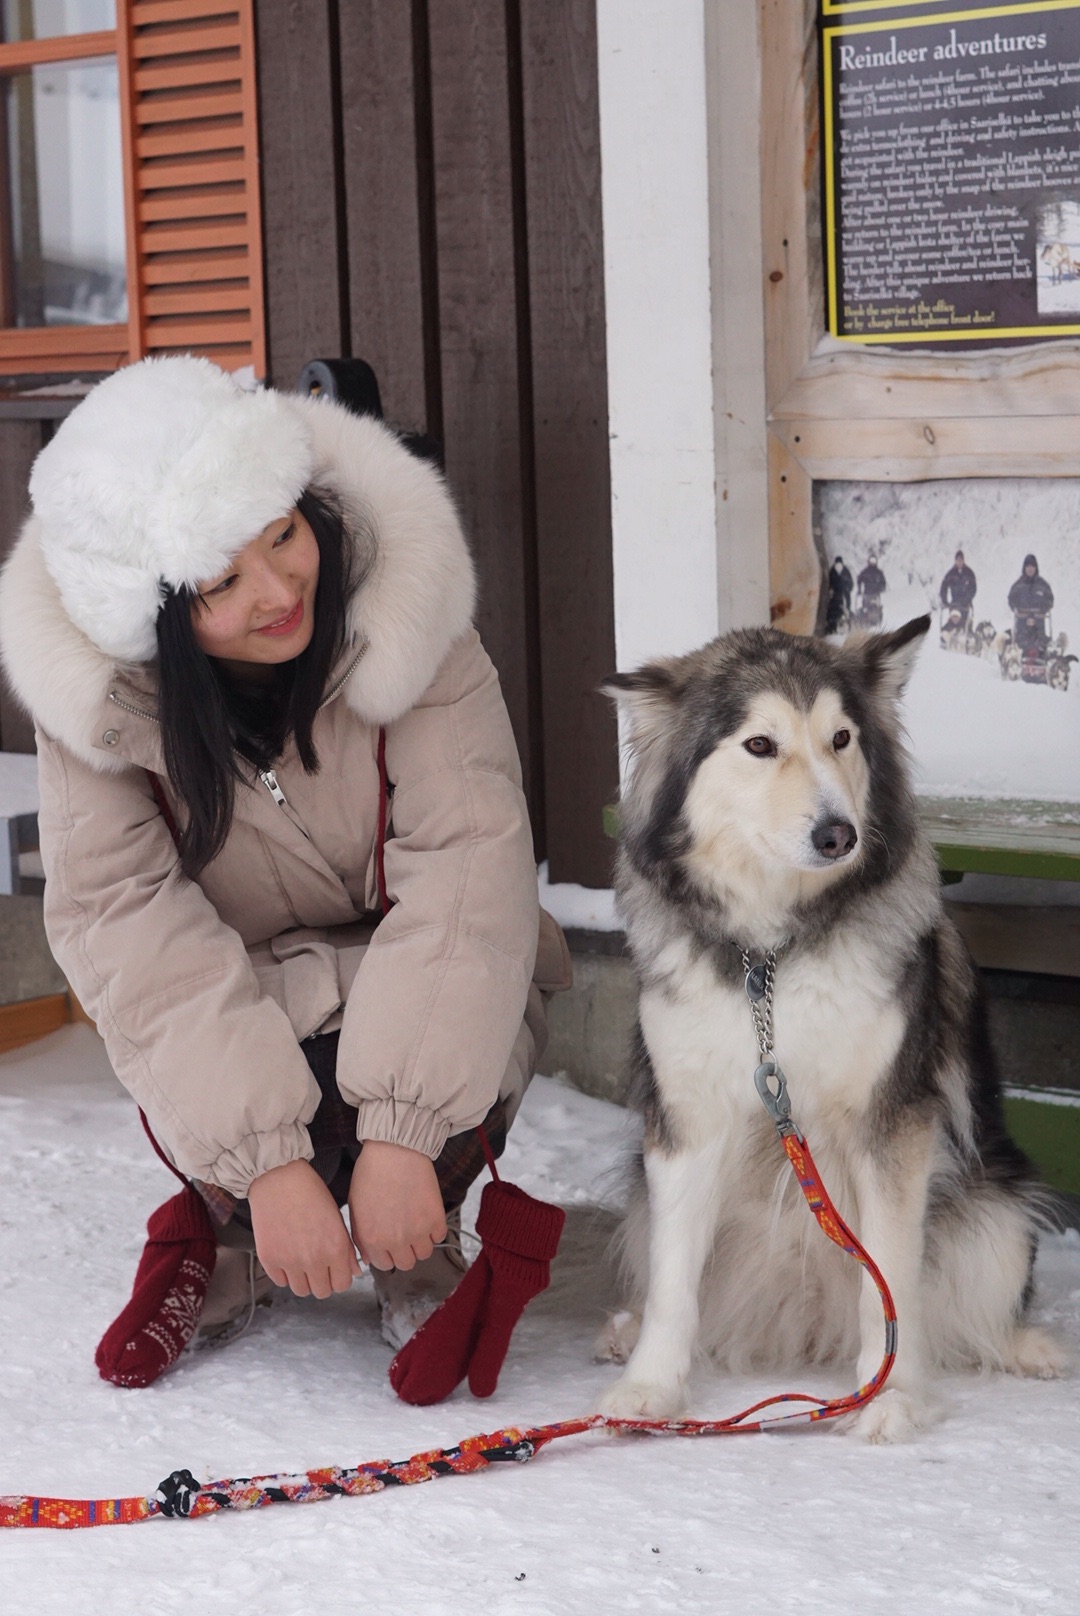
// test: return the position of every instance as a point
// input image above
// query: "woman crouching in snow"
(221, 602)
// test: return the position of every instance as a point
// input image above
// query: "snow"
(976, 1518)
(578, 908)
(1058, 297)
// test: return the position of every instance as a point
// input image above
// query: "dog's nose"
(834, 838)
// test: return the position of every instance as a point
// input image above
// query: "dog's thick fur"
(879, 1026)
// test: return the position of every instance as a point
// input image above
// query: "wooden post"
(791, 288)
(385, 109)
(125, 66)
(484, 335)
(300, 186)
(570, 426)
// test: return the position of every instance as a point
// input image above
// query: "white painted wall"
(733, 83)
(685, 344)
(654, 146)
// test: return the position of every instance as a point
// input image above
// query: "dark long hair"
(210, 719)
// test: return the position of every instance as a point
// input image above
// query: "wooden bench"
(1040, 840)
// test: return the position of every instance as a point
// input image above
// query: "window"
(129, 206)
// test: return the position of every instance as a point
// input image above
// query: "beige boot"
(407, 1297)
(238, 1286)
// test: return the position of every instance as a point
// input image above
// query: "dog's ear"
(888, 659)
(647, 697)
(655, 680)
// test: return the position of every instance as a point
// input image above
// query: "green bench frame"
(999, 836)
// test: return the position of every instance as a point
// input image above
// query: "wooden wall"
(431, 201)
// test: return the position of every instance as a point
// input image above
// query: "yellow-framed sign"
(888, 411)
(835, 8)
(951, 158)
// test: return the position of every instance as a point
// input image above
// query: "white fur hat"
(160, 476)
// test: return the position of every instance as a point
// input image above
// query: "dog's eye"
(760, 746)
(841, 739)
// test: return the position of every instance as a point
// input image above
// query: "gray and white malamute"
(770, 814)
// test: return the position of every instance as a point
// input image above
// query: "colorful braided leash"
(181, 1496)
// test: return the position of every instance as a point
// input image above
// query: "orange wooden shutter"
(188, 94)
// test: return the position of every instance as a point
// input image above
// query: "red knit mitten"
(436, 1358)
(167, 1298)
(471, 1331)
(520, 1236)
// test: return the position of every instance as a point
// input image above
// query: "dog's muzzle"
(834, 838)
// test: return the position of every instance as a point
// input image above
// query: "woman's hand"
(300, 1237)
(395, 1206)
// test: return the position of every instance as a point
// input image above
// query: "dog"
(770, 809)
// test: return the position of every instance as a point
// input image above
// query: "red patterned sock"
(471, 1331)
(167, 1297)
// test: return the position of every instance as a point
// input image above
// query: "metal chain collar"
(769, 1080)
(759, 992)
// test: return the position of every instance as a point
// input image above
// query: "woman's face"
(262, 609)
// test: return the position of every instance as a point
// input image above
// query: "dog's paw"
(1037, 1354)
(617, 1339)
(637, 1400)
(895, 1416)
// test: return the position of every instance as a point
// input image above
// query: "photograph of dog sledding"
(540, 874)
(1005, 606)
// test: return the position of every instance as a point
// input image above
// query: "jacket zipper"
(140, 712)
(339, 685)
(270, 781)
(267, 776)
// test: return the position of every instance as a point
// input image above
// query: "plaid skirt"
(333, 1135)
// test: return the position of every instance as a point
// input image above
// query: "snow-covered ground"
(576, 907)
(977, 1518)
(1058, 297)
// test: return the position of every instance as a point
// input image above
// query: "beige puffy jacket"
(203, 990)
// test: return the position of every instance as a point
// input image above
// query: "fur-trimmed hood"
(417, 596)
